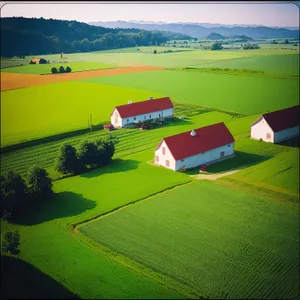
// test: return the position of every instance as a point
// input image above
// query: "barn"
(277, 126)
(142, 111)
(206, 145)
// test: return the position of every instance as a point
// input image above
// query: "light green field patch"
(247, 95)
(273, 64)
(50, 109)
(224, 243)
(46, 68)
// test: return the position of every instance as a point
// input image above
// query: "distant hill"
(215, 36)
(198, 31)
(32, 36)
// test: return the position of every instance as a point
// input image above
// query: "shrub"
(61, 69)
(11, 242)
(68, 69)
(54, 70)
(154, 51)
(216, 46)
(43, 61)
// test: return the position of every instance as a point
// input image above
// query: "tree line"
(61, 69)
(31, 36)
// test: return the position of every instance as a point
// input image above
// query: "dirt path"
(12, 81)
(216, 176)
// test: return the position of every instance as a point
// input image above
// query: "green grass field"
(46, 68)
(273, 64)
(243, 94)
(49, 109)
(226, 244)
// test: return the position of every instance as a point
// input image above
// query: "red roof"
(144, 107)
(284, 118)
(207, 138)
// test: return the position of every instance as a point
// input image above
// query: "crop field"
(44, 110)
(273, 64)
(46, 68)
(243, 94)
(225, 244)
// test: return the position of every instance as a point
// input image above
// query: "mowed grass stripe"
(188, 225)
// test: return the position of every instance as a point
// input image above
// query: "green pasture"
(46, 240)
(46, 68)
(243, 94)
(273, 64)
(44, 110)
(224, 243)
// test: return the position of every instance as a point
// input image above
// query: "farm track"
(11, 81)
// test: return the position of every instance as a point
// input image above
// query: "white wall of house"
(205, 157)
(116, 119)
(260, 129)
(149, 116)
(286, 134)
(161, 158)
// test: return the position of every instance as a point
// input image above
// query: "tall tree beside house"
(66, 160)
(38, 181)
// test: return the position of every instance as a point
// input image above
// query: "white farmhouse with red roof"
(190, 149)
(142, 111)
(277, 126)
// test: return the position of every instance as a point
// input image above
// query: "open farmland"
(44, 110)
(243, 94)
(224, 243)
(46, 68)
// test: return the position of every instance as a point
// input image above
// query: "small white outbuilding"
(139, 112)
(191, 149)
(277, 126)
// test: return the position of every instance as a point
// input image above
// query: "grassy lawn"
(273, 64)
(49, 246)
(225, 243)
(50, 109)
(46, 68)
(243, 94)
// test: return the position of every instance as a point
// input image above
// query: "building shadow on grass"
(116, 166)
(240, 160)
(59, 205)
(293, 142)
(21, 280)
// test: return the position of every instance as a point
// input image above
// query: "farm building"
(138, 112)
(277, 126)
(38, 61)
(190, 149)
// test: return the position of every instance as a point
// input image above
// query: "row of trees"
(18, 192)
(89, 154)
(61, 70)
(250, 46)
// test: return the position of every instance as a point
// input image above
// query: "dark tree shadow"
(21, 280)
(293, 142)
(241, 159)
(60, 205)
(116, 166)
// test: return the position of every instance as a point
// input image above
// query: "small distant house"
(108, 127)
(38, 61)
(139, 112)
(277, 126)
(206, 145)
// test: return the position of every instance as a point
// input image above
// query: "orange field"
(11, 81)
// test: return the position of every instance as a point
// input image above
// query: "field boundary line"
(76, 226)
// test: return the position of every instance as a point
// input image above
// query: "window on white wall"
(163, 150)
(145, 117)
(167, 163)
(229, 145)
(134, 118)
(150, 116)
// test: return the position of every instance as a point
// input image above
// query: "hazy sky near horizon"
(252, 13)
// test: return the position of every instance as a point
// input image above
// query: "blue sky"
(278, 13)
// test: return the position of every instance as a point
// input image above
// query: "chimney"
(193, 133)
(150, 98)
(129, 102)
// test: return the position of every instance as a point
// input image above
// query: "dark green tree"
(216, 46)
(61, 69)
(68, 69)
(66, 160)
(286, 41)
(87, 153)
(154, 51)
(11, 242)
(38, 181)
(13, 192)
(54, 70)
